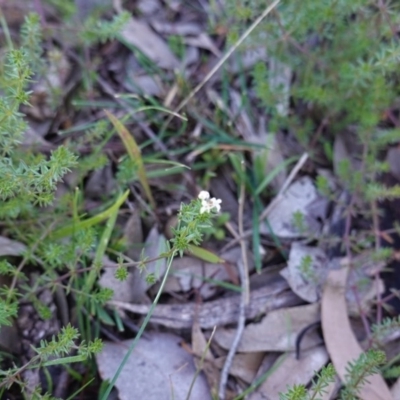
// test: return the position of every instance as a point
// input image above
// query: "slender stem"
(141, 330)
(245, 298)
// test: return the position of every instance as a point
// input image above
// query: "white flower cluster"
(208, 204)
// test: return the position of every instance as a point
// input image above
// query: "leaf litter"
(197, 295)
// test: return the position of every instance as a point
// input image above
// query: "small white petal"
(203, 195)
(215, 204)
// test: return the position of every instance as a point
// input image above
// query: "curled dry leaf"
(340, 340)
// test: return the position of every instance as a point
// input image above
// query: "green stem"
(142, 328)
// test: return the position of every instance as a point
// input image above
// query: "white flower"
(207, 204)
(203, 195)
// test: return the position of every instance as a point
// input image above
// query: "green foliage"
(299, 221)
(344, 56)
(97, 30)
(358, 372)
(385, 328)
(121, 273)
(318, 388)
(28, 182)
(392, 373)
(65, 8)
(306, 269)
(31, 41)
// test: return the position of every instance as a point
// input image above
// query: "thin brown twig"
(222, 61)
(244, 300)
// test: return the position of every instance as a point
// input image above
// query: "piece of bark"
(218, 312)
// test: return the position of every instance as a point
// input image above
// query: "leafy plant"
(358, 372)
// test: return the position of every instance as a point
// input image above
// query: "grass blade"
(134, 153)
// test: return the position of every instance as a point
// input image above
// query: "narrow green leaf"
(87, 223)
(65, 360)
(268, 179)
(134, 153)
(205, 255)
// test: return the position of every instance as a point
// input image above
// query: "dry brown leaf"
(180, 28)
(300, 197)
(277, 331)
(244, 365)
(395, 389)
(204, 41)
(190, 273)
(10, 247)
(339, 338)
(122, 289)
(209, 367)
(290, 371)
(306, 286)
(159, 368)
(101, 182)
(138, 33)
(148, 7)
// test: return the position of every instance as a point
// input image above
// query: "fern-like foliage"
(358, 372)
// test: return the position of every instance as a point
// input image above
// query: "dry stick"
(245, 298)
(222, 60)
(274, 202)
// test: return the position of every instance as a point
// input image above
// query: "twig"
(245, 298)
(222, 60)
